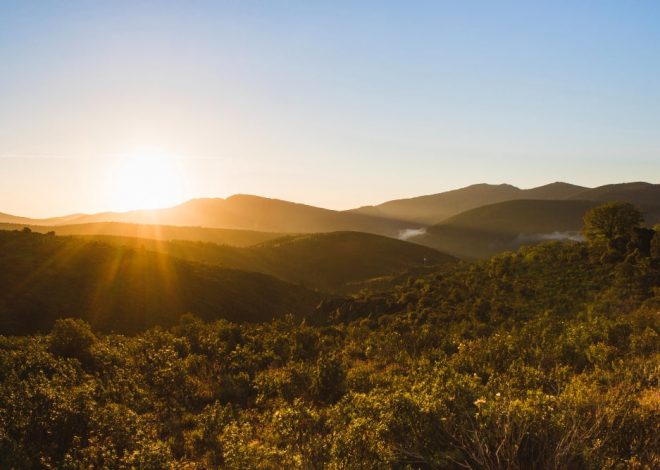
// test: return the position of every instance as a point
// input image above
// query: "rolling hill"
(23, 221)
(336, 262)
(434, 208)
(640, 194)
(245, 212)
(154, 232)
(487, 230)
(254, 213)
(115, 288)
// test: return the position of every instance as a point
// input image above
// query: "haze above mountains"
(475, 221)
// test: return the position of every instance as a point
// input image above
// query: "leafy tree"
(72, 338)
(613, 223)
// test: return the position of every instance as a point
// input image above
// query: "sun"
(145, 180)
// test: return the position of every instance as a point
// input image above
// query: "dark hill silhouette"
(332, 262)
(116, 288)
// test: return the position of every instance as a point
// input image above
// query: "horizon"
(144, 105)
(138, 209)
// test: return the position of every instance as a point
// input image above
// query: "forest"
(545, 357)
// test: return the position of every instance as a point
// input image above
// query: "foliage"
(116, 288)
(613, 223)
(543, 358)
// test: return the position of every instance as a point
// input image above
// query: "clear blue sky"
(336, 103)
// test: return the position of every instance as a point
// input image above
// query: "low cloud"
(539, 237)
(409, 233)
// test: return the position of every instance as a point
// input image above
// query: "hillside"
(640, 194)
(543, 358)
(494, 228)
(254, 213)
(154, 232)
(13, 219)
(45, 277)
(245, 212)
(491, 229)
(524, 216)
(337, 262)
(436, 208)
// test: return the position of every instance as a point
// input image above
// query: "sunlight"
(145, 180)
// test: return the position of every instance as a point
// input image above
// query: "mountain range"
(474, 221)
(435, 208)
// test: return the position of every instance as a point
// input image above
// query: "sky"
(332, 103)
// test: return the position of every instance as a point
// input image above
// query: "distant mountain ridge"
(391, 218)
(435, 208)
(244, 212)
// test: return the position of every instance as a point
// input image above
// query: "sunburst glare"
(145, 180)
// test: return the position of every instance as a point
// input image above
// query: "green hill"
(44, 277)
(330, 262)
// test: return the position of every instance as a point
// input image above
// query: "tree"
(72, 338)
(613, 223)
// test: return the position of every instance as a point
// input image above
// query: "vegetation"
(115, 288)
(154, 232)
(335, 262)
(491, 229)
(614, 224)
(542, 358)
